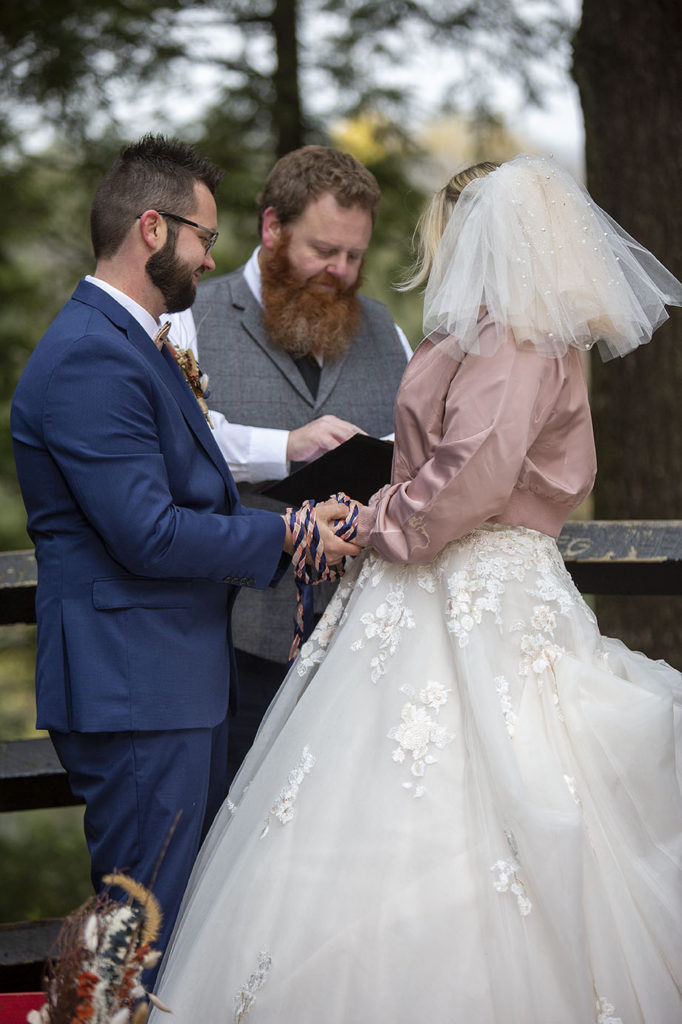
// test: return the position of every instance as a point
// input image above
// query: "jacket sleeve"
(494, 409)
(101, 424)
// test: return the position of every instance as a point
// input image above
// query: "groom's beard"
(174, 280)
(302, 319)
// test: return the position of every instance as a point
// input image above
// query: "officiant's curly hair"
(307, 173)
(154, 173)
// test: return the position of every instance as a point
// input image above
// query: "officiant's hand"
(335, 548)
(319, 436)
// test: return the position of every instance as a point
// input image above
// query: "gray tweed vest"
(254, 382)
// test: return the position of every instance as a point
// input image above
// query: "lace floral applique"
(570, 782)
(538, 654)
(502, 688)
(283, 808)
(462, 612)
(417, 523)
(544, 619)
(606, 1012)
(538, 650)
(312, 652)
(386, 624)
(246, 996)
(418, 730)
(480, 588)
(428, 576)
(547, 586)
(508, 879)
(375, 570)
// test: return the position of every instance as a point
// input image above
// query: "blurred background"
(415, 90)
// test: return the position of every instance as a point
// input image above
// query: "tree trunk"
(286, 112)
(630, 80)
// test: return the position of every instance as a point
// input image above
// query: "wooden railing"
(619, 557)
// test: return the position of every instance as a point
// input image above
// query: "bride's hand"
(329, 514)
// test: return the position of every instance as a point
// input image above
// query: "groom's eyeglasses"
(212, 235)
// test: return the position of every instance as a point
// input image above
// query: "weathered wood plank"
(31, 776)
(624, 556)
(24, 948)
(27, 942)
(603, 556)
(18, 577)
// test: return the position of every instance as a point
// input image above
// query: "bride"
(462, 805)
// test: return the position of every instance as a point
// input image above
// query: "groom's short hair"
(307, 173)
(154, 173)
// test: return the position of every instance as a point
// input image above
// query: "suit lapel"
(331, 371)
(166, 368)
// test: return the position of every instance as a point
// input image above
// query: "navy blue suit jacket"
(141, 540)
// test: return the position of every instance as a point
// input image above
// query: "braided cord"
(309, 561)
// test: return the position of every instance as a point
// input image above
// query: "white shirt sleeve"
(252, 453)
(404, 342)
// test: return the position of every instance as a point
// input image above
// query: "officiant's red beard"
(318, 316)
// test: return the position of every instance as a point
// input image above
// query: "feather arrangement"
(102, 950)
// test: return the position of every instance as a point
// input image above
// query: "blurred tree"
(287, 65)
(61, 58)
(44, 209)
(45, 864)
(631, 92)
(302, 63)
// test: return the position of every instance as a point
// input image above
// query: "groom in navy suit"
(141, 542)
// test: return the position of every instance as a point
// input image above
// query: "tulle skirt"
(463, 806)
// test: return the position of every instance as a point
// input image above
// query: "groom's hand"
(328, 514)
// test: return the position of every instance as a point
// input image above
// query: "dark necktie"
(309, 369)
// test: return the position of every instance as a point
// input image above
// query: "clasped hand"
(328, 514)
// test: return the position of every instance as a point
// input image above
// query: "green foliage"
(17, 663)
(45, 864)
(63, 58)
(44, 209)
(368, 38)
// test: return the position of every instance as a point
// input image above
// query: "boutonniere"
(186, 361)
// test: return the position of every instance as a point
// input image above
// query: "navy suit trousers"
(134, 785)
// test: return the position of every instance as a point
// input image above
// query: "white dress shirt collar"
(252, 276)
(144, 319)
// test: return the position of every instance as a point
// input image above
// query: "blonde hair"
(431, 224)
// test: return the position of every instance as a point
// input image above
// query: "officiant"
(298, 361)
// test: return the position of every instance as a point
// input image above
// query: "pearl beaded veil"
(528, 244)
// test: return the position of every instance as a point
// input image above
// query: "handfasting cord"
(306, 537)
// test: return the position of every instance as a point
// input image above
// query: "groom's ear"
(271, 231)
(153, 229)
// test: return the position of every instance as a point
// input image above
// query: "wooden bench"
(619, 557)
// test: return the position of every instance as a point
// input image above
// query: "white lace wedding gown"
(463, 806)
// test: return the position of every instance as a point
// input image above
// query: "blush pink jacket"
(503, 438)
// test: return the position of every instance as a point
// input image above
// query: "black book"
(359, 467)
